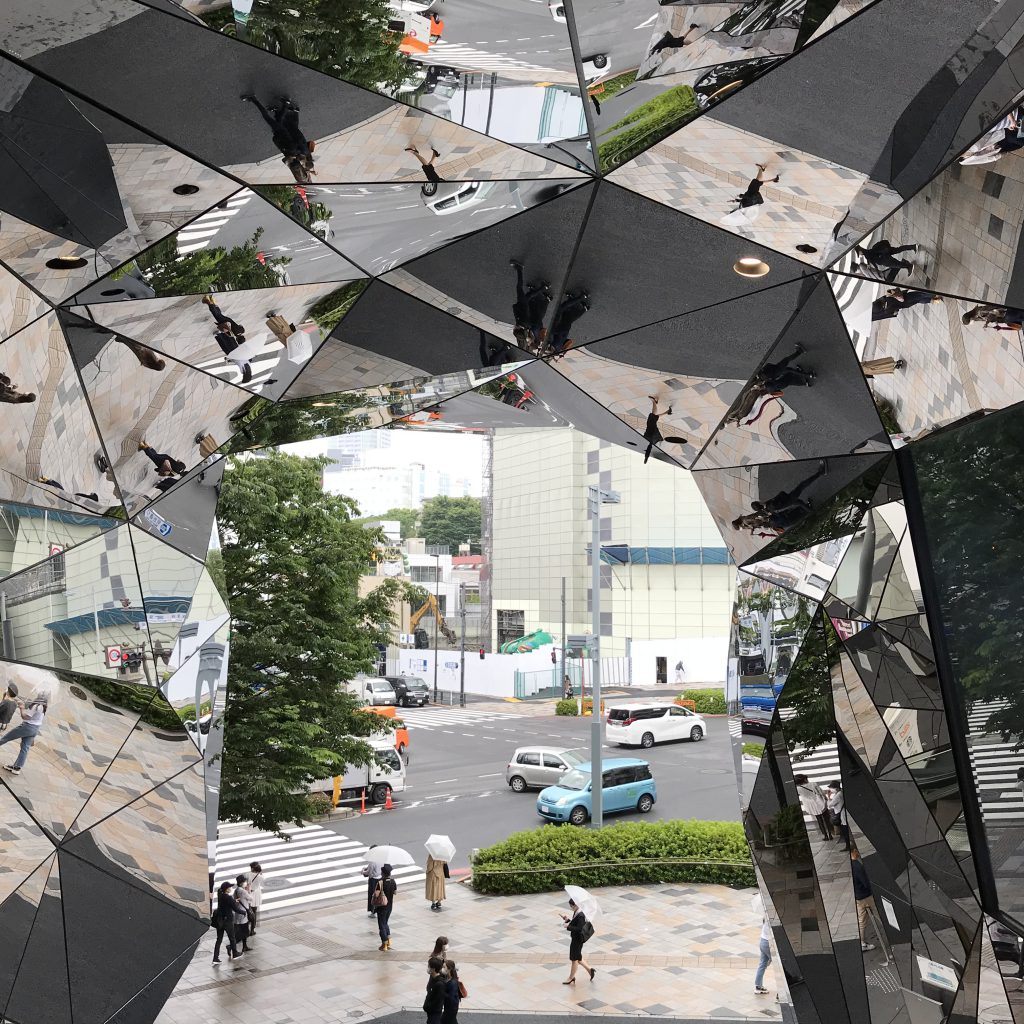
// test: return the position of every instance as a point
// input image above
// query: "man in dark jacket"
(433, 1005)
(863, 895)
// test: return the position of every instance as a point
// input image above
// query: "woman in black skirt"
(579, 929)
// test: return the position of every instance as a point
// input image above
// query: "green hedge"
(708, 702)
(567, 707)
(545, 859)
(754, 749)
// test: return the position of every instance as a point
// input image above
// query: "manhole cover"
(714, 771)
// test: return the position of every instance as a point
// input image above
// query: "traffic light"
(554, 658)
(481, 654)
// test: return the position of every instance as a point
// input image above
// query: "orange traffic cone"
(362, 802)
(388, 805)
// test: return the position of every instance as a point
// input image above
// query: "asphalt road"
(457, 782)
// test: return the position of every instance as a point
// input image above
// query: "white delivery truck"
(381, 778)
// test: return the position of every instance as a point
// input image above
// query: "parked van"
(386, 775)
(628, 785)
(643, 725)
(375, 690)
(399, 732)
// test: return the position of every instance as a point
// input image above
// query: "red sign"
(114, 657)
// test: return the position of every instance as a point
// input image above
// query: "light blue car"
(628, 786)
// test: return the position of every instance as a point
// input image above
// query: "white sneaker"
(865, 946)
(760, 991)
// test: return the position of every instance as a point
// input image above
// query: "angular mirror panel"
(806, 399)
(92, 937)
(864, 571)
(51, 437)
(40, 986)
(17, 915)
(145, 1005)
(1000, 996)
(857, 717)
(391, 336)
(74, 727)
(80, 610)
(19, 304)
(808, 572)
(894, 671)
(792, 505)
(25, 845)
(380, 227)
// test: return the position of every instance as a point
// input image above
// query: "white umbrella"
(587, 903)
(440, 847)
(393, 855)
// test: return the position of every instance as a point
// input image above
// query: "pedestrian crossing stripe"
(315, 865)
(436, 717)
(468, 58)
(198, 234)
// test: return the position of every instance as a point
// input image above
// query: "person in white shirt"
(814, 802)
(837, 806)
(764, 946)
(32, 715)
(255, 893)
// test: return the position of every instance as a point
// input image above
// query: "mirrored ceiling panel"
(380, 227)
(82, 194)
(19, 304)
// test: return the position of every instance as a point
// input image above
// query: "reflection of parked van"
(199, 732)
(456, 196)
(386, 775)
(400, 732)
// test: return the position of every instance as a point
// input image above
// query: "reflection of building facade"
(666, 581)
(378, 483)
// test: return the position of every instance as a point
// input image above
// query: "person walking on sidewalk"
(837, 807)
(864, 897)
(224, 921)
(383, 903)
(32, 714)
(440, 947)
(433, 1004)
(813, 802)
(764, 946)
(244, 902)
(255, 894)
(434, 885)
(580, 931)
(371, 871)
(454, 992)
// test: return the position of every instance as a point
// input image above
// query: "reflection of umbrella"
(743, 217)
(54, 165)
(440, 847)
(587, 903)
(393, 855)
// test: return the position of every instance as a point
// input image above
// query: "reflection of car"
(723, 79)
(442, 80)
(199, 732)
(557, 9)
(539, 767)
(643, 725)
(596, 66)
(457, 196)
(627, 785)
(758, 16)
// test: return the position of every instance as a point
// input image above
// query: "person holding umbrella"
(440, 851)
(383, 903)
(580, 930)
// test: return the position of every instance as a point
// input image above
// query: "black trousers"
(371, 884)
(227, 929)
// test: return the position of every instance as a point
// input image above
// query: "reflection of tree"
(647, 124)
(451, 521)
(142, 700)
(329, 311)
(972, 492)
(169, 272)
(264, 424)
(805, 705)
(348, 40)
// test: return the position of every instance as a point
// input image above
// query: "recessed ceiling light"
(806, 247)
(66, 262)
(185, 190)
(751, 266)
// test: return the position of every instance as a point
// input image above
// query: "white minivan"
(643, 725)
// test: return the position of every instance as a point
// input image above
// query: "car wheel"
(518, 784)
(578, 815)
(696, 734)
(645, 803)
(379, 793)
(600, 61)
(647, 740)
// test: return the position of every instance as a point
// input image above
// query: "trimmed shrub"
(628, 853)
(318, 804)
(567, 707)
(706, 702)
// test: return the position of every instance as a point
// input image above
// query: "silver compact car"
(537, 767)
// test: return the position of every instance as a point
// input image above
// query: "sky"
(460, 455)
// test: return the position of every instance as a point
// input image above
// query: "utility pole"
(462, 641)
(561, 682)
(595, 499)
(437, 613)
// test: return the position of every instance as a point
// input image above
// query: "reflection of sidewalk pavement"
(670, 950)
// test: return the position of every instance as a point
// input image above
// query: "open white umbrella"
(587, 903)
(440, 847)
(393, 855)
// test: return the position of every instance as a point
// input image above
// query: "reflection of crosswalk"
(854, 296)
(315, 865)
(263, 363)
(457, 55)
(199, 233)
(995, 768)
(440, 718)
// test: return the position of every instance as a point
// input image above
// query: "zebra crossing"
(469, 58)
(198, 234)
(854, 296)
(441, 717)
(314, 866)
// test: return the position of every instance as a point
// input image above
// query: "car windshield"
(381, 687)
(574, 779)
(389, 759)
(416, 684)
(574, 757)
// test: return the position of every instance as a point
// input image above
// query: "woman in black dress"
(388, 887)
(579, 929)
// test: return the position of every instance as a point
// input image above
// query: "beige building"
(667, 584)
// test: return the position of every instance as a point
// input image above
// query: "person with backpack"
(433, 1003)
(383, 902)
(580, 931)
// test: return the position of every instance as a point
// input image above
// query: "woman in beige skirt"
(435, 882)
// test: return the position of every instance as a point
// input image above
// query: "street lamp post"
(462, 641)
(596, 498)
(437, 612)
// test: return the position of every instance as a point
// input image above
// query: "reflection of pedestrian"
(764, 946)
(671, 42)
(837, 806)
(148, 359)
(8, 705)
(776, 377)
(255, 894)
(453, 990)
(571, 309)
(241, 895)
(652, 435)
(433, 178)
(864, 897)
(881, 257)
(895, 300)
(386, 889)
(529, 309)
(434, 884)
(433, 1002)
(279, 327)
(296, 150)
(814, 803)
(371, 872)
(58, 486)
(786, 501)
(1000, 318)
(884, 364)
(9, 392)
(166, 465)
(32, 714)
(752, 196)
(494, 351)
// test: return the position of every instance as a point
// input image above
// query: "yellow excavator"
(430, 605)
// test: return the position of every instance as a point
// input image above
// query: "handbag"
(379, 899)
(588, 931)
(447, 873)
(463, 991)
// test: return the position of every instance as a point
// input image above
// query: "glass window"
(616, 777)
(551, 761)
(529, 758)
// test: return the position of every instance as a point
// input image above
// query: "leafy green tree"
(261, 423)
(293, 559)
(407, 519)
(346, 39)
(169, 272)
(807, 692)
(215, 567)
(451, 521)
